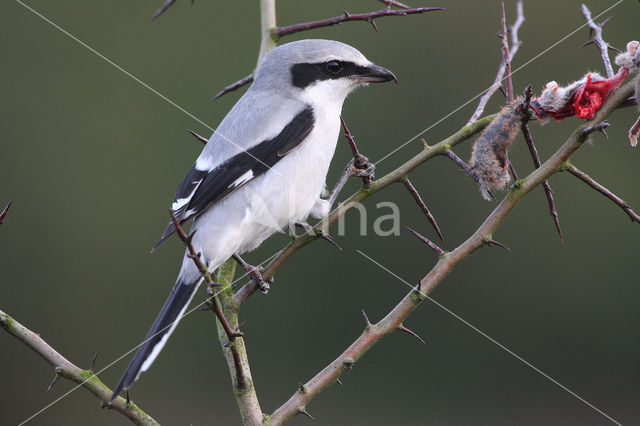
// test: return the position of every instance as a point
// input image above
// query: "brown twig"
(547, 187)
(506, 58)
(359, 166)
(193, 255)
(5, 211)
(604, 191)
(603, 46)
(64, 368)
(346, 17)
(234, 86)
(515, 45)
(416, 196)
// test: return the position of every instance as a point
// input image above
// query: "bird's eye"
(334, 67)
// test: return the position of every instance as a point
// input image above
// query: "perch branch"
(446, 263)
(64, 368)
(597, 39)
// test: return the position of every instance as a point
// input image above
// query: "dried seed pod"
(489, 158)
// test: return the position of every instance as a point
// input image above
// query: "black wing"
(200, 189)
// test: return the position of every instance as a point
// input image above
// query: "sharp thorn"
(492, 243)
(197, 136)
(339, 382)
(427, 241)
(373, 23)
(585, 44)
(301, 388)
(615, 49)
(303, 411)
(328, 238)
(237, 329)
(366, 319)
(603, 23)
(93, 361)
(416, 196)
(55, 378)
(5, 211)
(411, 333)
(128, 398)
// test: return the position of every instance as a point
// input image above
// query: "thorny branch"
(603, 46)
(271, 33)
(448, 261)
(64, 368)
(547, 187)
(536, 161)
(507, 57)
(369, 17)
(604, 191)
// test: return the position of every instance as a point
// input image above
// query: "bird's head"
(318, 69)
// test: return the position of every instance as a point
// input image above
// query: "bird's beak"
(375, 74)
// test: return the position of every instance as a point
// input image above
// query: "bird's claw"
(256, 275)
(362, 167)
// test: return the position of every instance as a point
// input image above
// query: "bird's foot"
(362, 167)
(255, 273)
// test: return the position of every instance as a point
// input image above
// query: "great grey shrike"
(263, 169)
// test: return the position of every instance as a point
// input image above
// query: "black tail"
(162, 327)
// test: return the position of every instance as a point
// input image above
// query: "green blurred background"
(92, 160)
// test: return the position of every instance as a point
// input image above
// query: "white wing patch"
(246, 177)
(181, 202)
